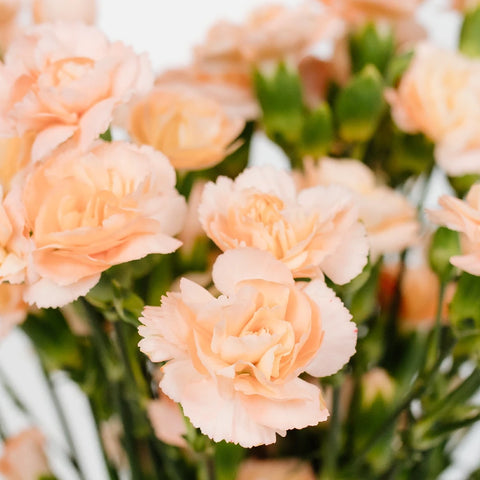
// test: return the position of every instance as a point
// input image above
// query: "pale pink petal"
(218, 417)
(46, 294)
(240, 264)
(268, 179)
(305, 408)
(49, 139)
(340, 333)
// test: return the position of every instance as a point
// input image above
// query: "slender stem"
(112, 473)
(331, 450)
(128, 438)
(63, 421)
(416, 391)
(3, 432)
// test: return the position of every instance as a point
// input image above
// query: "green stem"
(331, 452)
(435, 344)
(63, 421)
(416, 391)
(112, 473)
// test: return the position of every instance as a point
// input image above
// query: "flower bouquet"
(227, 317)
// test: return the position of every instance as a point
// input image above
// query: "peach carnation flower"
(278, 469)
(23, 457)
(233, 92)
(233, 362)
(439, 95)
(312, 231)
(359, 11)
(65, 79)
(8, 27)
(390, 220)
(271, 33)
(84, 212)
(45, 11)
(193, 131)
(464, 217)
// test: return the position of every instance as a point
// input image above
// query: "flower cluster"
(208, 299)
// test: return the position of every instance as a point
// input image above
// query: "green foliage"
(359, 106)
(317, 132)
(445, 244)
(371, 45)
(470, 34)
(280, 97)
(463, 183)
(465, 306)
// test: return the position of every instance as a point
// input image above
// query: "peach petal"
(340, 333)
(233, 266)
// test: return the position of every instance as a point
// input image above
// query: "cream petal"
(340, 333)
(240, 264)
(303, 408)
(218, 417)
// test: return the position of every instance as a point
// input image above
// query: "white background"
(167, 29)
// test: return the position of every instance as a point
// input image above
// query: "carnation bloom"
(63, 80)
(464, 217)
(278, 469)
(23, 457)
(84, 212)
(271, 33)
(72, 10)
(194, 131)
(312, 231)
(233, 362)
(233, 92)
(390, 220)
(13, 309)
(358, 11)
(439, 95)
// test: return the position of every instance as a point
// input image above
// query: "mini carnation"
(390, 220)
(464, 217)
(277, 469)
(439, 95)
(312, 231)
(360, 11)
(81, 213)
(23, 457)
(194, 131)
(270, 34)
(54, 10)
(232, 91)
(65, 80)
(233, 362)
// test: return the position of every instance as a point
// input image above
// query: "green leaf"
(410, 155)
(317, 132)
(462, 184)
(106, 135)
(470, 34)
(280, 97)
(359, 106)
(371, 45)
(445, 244)
(397, 67)
(227, 459)
(365, 299)
(465, 306)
